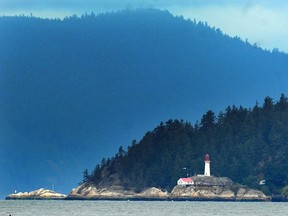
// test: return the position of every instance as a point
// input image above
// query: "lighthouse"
(207, 166)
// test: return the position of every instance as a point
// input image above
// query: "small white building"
(185, 181)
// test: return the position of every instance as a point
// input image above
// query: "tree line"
(246, 145)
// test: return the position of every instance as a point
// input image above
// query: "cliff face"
(237, 193)
(212, 181)
(204, 188)
(221, 188)
(37, 194)
(88, 191)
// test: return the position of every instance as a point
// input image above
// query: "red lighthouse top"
(207, 157)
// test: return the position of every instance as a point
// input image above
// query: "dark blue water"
(139, 208)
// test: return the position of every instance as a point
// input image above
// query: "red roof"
(186, 179)
(207, 157)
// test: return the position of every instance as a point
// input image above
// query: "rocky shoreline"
(204, 189)
(196, 195)
(40, 194)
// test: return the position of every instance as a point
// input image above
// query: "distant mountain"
(249, 146)
(72, 91)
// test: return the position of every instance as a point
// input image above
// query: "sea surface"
(140, 208)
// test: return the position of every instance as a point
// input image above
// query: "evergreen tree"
(86, 176)
(247, 145)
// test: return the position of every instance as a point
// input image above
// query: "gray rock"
(227, 194)
(153, 193)
(37, 194)
(212, 181)
(205, 188)
(250, 194)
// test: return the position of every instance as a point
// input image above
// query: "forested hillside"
(246, 145)
(73, 90)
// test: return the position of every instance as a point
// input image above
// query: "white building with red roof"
(185, 181)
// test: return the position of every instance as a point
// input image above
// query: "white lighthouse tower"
(207, 166)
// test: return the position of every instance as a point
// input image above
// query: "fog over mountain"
(72, 91)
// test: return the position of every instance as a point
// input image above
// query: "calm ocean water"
(139, 208)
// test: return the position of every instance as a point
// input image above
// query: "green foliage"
(245, 145)
(86, 176)
(251, 181)
(266, 190)
(285, 191)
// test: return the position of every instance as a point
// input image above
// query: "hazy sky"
(264, 22)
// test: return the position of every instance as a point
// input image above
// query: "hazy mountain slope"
(73, 91)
